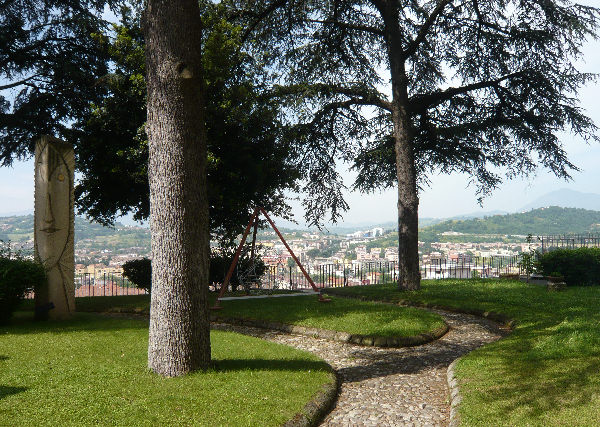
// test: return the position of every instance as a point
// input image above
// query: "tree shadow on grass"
(3, 358)
(23, 324)
(339, 314)
(6, 391)
(544, 368)
(298, 365)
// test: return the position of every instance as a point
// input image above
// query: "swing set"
(254, 221)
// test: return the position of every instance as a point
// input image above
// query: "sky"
(446, 196)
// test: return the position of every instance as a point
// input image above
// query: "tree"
(179, 340)
(249, 162)
(476, 86)
(43, 85)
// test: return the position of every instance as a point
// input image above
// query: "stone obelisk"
(54, 226)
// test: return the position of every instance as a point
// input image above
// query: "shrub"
(245, 271)
(17, 277)
(578, 266)
(139, 271)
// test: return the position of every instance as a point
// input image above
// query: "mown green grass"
(344, 315)
(545, 373)
(352, 316)
(92, 371)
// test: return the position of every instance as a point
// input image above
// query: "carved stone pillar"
(54, 226)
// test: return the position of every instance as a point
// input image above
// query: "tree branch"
(367, 97)
(365, 28)
(419, 103)
(414, 45)
(18, 83)
(262, 15)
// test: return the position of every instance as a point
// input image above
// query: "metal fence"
(105, 284)
(566, 241)
(326, 275)
(329, 275)
(477, 267)
(371, 273)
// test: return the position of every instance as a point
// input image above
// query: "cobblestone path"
(392, 387)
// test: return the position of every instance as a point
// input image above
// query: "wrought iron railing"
(566, 241)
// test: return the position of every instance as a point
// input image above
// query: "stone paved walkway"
(392, 387)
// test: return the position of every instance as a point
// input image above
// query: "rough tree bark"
(408, 201)
(179, 339)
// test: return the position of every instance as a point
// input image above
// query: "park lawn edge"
(312, 412)
(434, 330)
(495, 316)
(339, 336)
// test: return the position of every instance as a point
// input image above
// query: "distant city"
(102, 251)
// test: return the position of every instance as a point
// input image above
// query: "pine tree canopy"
(48, 69)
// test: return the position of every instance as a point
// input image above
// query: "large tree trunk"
(179, 339)
(408, 201)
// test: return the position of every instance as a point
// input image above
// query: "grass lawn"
(344, 315)
(545, 373)
(92, 371)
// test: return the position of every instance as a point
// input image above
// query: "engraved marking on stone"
(54, 222)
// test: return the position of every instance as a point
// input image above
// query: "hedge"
(17, 277)
(578, 266)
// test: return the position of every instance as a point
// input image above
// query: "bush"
(578, 266)
(17, 277)
(245, 272)
(139, 272)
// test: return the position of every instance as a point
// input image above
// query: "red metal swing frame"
(254, 220)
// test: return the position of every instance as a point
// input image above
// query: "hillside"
(542, 221)
(19, 230)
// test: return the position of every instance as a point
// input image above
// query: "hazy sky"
(447, 195)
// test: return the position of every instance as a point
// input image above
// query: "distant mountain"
(551, 220)
(17, 213)
(567, 199)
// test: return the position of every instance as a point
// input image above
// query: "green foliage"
(313, 253)
(578, 266)
(247, 271)
(528, 259)
(43, 85)
(17, 277)
(249, 161)
(487, 86)
(324, 252)
(139, 272)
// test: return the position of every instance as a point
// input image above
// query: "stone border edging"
(319, 406)
(344, 337)
(455, 396)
